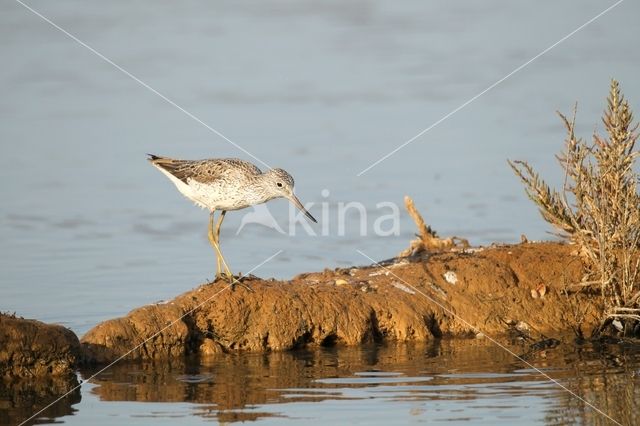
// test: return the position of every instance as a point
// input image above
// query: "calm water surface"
(88, 230)
(443, 382)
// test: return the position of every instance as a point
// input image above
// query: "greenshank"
(226, 184)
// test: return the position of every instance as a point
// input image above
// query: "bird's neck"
(258, 191)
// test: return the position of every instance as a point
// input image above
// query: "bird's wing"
(181, 169)
(204, 171)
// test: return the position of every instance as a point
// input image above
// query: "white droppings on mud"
(378, 273)
(451, 277)
(402, 287)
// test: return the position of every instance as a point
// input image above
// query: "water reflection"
(21, 398)
(461, 381)
(447, 380)
(610, 384)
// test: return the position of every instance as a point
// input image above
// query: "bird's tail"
(164, 162)
(172, 166)
(152, 157)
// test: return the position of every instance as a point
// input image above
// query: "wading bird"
(226, 184)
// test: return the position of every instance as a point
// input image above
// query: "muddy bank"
(33, 349)
(408, 300)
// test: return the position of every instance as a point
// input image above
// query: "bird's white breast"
(218, 195)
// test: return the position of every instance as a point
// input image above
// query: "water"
(89, 230)
(447, 382)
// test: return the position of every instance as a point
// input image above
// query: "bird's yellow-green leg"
(217, 238)
(233, 280)
(212, 241)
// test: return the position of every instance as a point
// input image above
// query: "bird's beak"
(299, 205)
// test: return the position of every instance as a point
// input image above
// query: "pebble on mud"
(617, 324)
(451, 277)
(539, 291)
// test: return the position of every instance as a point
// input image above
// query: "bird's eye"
(279, 184)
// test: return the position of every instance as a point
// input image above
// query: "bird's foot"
(233, 280)
(223, 277)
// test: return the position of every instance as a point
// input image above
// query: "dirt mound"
(448, 294)
(30, 348)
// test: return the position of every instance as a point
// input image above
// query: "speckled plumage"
(224, 183)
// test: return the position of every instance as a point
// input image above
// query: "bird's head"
(280, 184)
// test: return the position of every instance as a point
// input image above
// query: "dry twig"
(428, 240)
